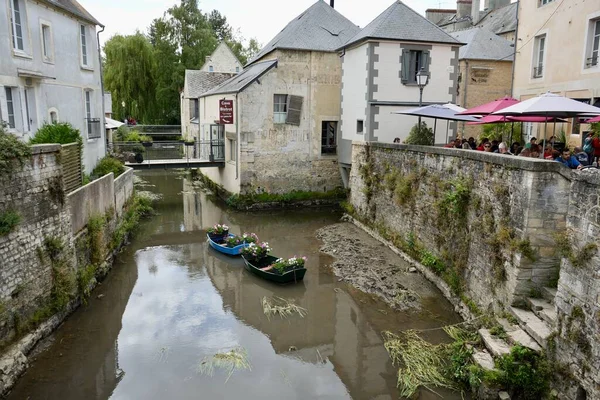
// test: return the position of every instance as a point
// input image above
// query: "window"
(47, 51)
(544, 2)
(360, 126)
(594, 51)
(16, 22)
(10, 104)
(194, 108)
(88, 111)
(232, 151)
(538, 62)
(329, 137)
(84, 56)
(53, 117)
(412, 62)
(210, 68)
(280, 108)
(237, 70)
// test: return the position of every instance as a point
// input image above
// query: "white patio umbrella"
(550, 105)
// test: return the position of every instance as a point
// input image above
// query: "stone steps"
(518, 336)
(549, 294)
(484, 360)
(532, 324)
(544, 310)
(497, 346)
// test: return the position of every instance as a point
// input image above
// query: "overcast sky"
(261, 19)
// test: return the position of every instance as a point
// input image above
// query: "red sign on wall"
(226, 112)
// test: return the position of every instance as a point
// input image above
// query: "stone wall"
(578, 295)
(36, 193)
(123, 188)
(95, 198)
(489, 219)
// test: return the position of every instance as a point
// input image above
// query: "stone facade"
(480, 82)
(222, 60)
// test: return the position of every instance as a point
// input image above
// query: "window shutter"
(405, 71)
(294, 110)
(425, 60)
(192, 109)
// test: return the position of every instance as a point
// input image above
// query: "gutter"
(103, 117)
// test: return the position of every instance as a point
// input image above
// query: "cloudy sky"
(261, 19)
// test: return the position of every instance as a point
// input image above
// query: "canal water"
(171, 301)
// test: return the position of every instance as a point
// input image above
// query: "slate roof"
(73, 7)
(482, 44)
(501, 20)
(199, 82)
(400, 22)
(242, 80)
(319, 28)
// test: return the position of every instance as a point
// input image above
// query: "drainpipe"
(512, 80)
(464, 104)
(102, 118)
(238, 141)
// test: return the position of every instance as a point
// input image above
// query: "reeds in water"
(231, 361)
(282, 307)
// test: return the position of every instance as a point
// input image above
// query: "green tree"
(422, 135)
(129, 67)
(219, 25)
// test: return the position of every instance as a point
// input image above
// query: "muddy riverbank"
(372, 267)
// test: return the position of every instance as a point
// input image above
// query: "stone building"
(558, 51)
(485, 71)
(379, 68)
(50, 71)
(221, 65)
(286, 110)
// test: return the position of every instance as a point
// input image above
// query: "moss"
(524, 247)
(136, 208)
(9, 220)
(579, 258)
(95, 232)
(406, 188)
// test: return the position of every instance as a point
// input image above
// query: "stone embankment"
(60, 246)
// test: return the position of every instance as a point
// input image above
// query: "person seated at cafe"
(581, 156)
(458, 143)
(483, 143)
(555, 154)
(525, 152)
(514, 148)
(548, 152)
(487, 147)
(472, 143)
(495, 146)
(503, 149)
(532, 142)
(466, 146)
(568, 160)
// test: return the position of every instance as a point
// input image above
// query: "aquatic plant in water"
(282, 307)
(422, 362)
(231, 361)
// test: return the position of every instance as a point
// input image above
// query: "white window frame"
(537, 52)
(84, 45)
(593, 40)
(280, 108)
(233, 151)
(53, 110)
(11, 103)
(47, 43)
(25, 42)
(87, 98)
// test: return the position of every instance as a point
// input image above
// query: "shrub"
(420, 135)
(12, 151)
(108, 165)
(136, 136)
(61, 133)
(8, 221)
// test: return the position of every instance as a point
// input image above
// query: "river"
(170, 301)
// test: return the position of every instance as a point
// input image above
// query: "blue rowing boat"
(221, 246)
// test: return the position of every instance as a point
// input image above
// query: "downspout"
(464, 104)
(103, 116)
(512, 80)
(238, 141)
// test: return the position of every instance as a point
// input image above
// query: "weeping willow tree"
(129, 76)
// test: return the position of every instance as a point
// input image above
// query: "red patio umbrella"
(593, 120)
(492, 107)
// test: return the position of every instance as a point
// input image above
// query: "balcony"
(94, 128)
(591, 62)
(538, 71)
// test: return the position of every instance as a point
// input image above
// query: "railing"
(591, 62)
(157, 129)
(136, 152)
(94, 130)
(538, 71)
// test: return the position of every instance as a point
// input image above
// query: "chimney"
(475, 12)
(332, 3)
(463, 8)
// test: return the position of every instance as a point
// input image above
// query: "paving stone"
(484, 360)
(495, 345)
(533, 325)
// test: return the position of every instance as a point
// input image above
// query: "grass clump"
(231, 361)
(107, 165)
(61, 133)
(13, 152)
(282, 307)
(579, 258)
(9, 221)
(137, 208)
(95, 232)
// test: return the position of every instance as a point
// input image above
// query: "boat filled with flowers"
(259, 261)
(231, 244)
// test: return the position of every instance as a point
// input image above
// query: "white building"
(379, 67)
(50, 71)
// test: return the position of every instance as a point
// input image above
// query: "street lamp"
(422, 81)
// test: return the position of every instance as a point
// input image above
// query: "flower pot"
(147, 144)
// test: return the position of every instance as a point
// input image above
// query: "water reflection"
(171, 300)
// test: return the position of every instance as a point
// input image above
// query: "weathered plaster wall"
(36, 193)
(507, 201)
(578, 296)
(95, 198)
(123, 189)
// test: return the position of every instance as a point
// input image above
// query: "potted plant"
(250, 238)
(256, 251)
(218, 233)
(233, 241)
(146, 141)
(281, 266)
(189, 141)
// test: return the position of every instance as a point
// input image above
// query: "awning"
(25, 73)
(112, 123)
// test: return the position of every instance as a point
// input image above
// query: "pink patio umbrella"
(593, 120)
(499, 119)
(492, 107)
